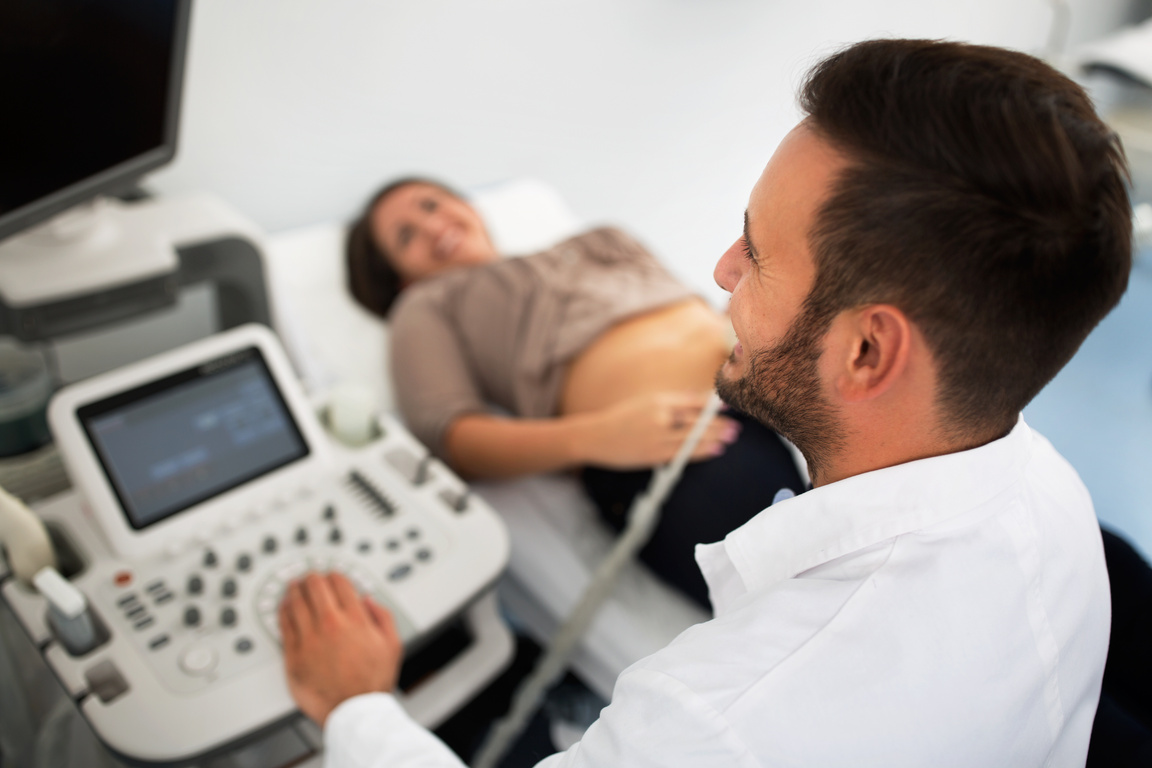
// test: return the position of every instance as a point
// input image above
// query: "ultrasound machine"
(202, 479)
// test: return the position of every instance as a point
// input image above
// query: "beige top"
(498, 337)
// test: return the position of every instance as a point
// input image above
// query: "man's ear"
(874, 343)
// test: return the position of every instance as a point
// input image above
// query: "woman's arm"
(640, 432)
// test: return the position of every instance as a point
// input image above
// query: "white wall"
(654, 114)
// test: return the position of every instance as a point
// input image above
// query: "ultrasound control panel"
(206, 487)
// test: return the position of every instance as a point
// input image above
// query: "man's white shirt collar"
(834, 520)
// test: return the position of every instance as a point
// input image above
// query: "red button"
(123, 578)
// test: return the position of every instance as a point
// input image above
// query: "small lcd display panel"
(181, 440)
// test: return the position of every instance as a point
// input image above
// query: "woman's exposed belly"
(677, 347)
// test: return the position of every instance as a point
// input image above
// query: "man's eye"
(428, 204)
(748, 251)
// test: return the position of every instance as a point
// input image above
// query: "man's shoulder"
(1050, 471)
(914, 641)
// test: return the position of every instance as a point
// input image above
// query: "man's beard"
(781, 389)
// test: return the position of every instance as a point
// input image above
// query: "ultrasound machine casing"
(207, 485)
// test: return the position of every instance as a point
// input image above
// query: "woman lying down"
(588, 356)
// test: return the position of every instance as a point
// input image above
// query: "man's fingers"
(346, 596)
(382, 618)
(290, 607)
(319, 596)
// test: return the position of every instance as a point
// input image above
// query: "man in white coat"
(923, 252)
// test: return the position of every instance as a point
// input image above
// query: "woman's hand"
(647, 430)
(641, 432)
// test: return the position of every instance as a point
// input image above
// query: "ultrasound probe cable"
(642, 519)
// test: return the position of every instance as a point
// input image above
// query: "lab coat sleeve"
(656, 720)
(373, 731)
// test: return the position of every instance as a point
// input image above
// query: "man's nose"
(728, 269)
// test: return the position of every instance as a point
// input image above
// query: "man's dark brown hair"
(985, 199)
(372, 279)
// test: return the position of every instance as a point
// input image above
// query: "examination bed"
(557, 538)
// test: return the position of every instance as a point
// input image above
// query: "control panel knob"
(228, 617)
(244, 562)
(228, 588)
(191, 616)
(335, 536)
(198, 660)
(195, 585)
(301, 535)
(269, 544)
(210, 559)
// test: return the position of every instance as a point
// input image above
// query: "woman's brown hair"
(372, 280)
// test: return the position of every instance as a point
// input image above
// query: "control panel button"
(269, 544)
(335, 536)
(412, 533)
(158, 642)
(144, 623)
(228, 588)
(457, 501)
(364, 547)
(424, 555)
(244, 563)
(301, 536)
(399, 572)
(195, 585)
(198, 660)
(191, 616)
(243, 645)
(228, 617)
(136, 611)
(105, 681)
(210, 559)
(165, 597)
(329, 512)
(392, 545)
(122, 578)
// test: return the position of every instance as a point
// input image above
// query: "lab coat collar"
(797, 534)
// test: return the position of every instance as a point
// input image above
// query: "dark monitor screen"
(91, 94)
(181, 440)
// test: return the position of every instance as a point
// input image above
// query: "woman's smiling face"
(425, 230)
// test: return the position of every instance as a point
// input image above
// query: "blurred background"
(654, 114)
(657, 115)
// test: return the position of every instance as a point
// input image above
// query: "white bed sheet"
(557, 539)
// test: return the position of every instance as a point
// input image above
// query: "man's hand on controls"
(337, 644)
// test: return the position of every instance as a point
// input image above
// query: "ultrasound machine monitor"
(91, 99)
(173, 443)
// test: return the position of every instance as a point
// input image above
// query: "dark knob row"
(196, 586)
(193, 617)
